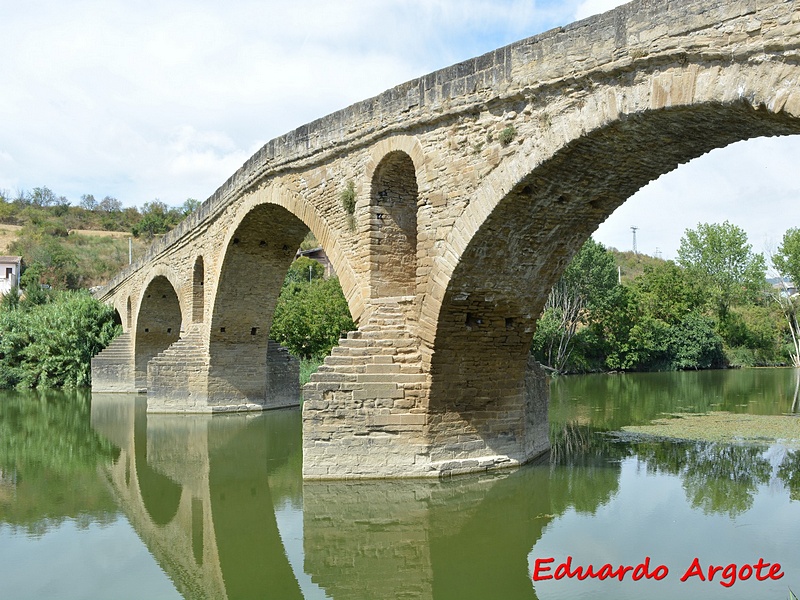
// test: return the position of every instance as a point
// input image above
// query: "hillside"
(632, 265)
(73, 247)
(10, 233)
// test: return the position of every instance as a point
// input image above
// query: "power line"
(633, 229)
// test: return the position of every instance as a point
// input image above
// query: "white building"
(10, 267)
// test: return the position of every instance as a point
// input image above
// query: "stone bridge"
(473, 187)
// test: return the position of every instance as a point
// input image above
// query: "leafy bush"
(51, 344)
(694, 344)
(310, 317)
(757, 328)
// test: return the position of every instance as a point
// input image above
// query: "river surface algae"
(724, 427)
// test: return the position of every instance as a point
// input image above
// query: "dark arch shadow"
(393, 233)
(158, 324)
(198, 290)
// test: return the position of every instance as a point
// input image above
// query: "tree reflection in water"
(49, 457)
(717, 477)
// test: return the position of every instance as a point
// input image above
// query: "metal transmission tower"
(633, 229)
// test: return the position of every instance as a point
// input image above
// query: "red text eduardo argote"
(725, 575)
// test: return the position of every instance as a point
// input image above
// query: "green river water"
(100, 500)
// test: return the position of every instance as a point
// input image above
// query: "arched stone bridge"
(473, 186)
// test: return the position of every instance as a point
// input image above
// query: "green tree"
(310, 317)
(719, 258)
(787, 263)
(110, 205)
(657, 323)
(41, 196)
(787, 259)
(303, 270)
(51, 345)
(157, 218)
(579, 296)
(189, 206)
(88, 202)
(666, 293)
(694, 344)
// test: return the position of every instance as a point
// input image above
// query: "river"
(100, 500)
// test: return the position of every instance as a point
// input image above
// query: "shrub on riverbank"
(51, 344)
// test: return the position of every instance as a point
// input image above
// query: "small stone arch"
(198, 290)
(394, 197)
(158, 324)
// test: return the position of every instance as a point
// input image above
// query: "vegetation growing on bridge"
(711, 308)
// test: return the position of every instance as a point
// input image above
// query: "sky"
(165, 99)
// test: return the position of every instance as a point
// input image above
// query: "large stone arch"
(765, 87)
(159, 320)
(258, 249)
(257, 256)
(536, 210)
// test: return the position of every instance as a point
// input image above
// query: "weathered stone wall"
(516, 156)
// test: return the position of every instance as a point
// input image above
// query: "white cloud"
(167, 99)
(94, 92)
(587, 8)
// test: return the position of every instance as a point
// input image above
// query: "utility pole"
(130, 250)
(633, 229)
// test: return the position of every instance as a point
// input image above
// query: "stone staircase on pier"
(371, 388)
(172, 372)
(113, 368)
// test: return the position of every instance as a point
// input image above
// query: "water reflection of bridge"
(196, 514)
(202, 493)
